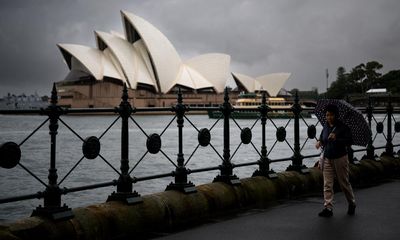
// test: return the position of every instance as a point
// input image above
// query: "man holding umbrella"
(338, 118)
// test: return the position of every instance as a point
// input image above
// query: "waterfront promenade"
(377, 217)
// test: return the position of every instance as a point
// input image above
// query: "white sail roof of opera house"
(144, 56)
(272, 83)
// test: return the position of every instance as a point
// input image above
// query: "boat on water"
(246, 102)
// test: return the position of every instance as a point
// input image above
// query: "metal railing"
(10, 152)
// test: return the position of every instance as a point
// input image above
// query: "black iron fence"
(10, 152)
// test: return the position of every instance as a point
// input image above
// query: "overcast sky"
(303, 37)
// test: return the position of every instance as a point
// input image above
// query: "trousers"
(338, 168)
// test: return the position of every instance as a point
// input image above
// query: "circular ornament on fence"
(379, 127)
(246, 135)
(153, 143)
(397, 127)
(91, 147)
(281, 134)
(311, 131)
(10, 154)
(204, 137)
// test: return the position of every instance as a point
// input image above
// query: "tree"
(371, 74)
(339, 88)
(363, 77)
(391, 81)
(356, 77)
(294, 90)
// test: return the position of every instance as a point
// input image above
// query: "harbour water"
(36, 154)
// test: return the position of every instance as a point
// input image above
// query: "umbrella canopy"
(348, 115)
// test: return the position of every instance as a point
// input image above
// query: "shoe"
(326, 212)
(352, 209)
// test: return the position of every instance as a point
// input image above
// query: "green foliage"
(391, 81)
(338, 87)
(363, 77)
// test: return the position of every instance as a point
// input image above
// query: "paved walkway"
(377, 217)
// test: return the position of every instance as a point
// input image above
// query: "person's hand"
(319, 166)
(332, 137)
(318, 144)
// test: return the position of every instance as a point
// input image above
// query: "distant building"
(376, 91)
(33, 101)
(146, 61)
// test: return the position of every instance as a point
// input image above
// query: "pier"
(127, 213)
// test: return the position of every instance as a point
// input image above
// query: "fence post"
(297, 158)
(263, 163)
(389, 144)
(124, 186)
(370, 146)
(181, 184)
(52, 195)
(227, 167)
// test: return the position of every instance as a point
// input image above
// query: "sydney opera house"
(146, 61)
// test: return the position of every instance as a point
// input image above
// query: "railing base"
(231, 180)
(128, 198)
(301, 169)
(53, 213)
(375, 158)
(355, 162)
(386, 154)
(182, 187)
(270, 174)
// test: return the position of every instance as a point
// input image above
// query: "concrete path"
(377, 217)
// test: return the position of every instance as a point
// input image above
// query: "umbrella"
(348, 115)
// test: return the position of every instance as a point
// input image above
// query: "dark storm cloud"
(301, 37)
(29, 32)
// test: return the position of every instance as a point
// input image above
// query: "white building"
(146, 61)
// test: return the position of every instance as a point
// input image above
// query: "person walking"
(334, 140)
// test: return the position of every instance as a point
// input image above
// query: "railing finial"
(54, 96)
(180, 98)
(226, 95)
(264, 98)
(125, 95)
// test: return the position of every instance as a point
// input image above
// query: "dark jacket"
(335, 148)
